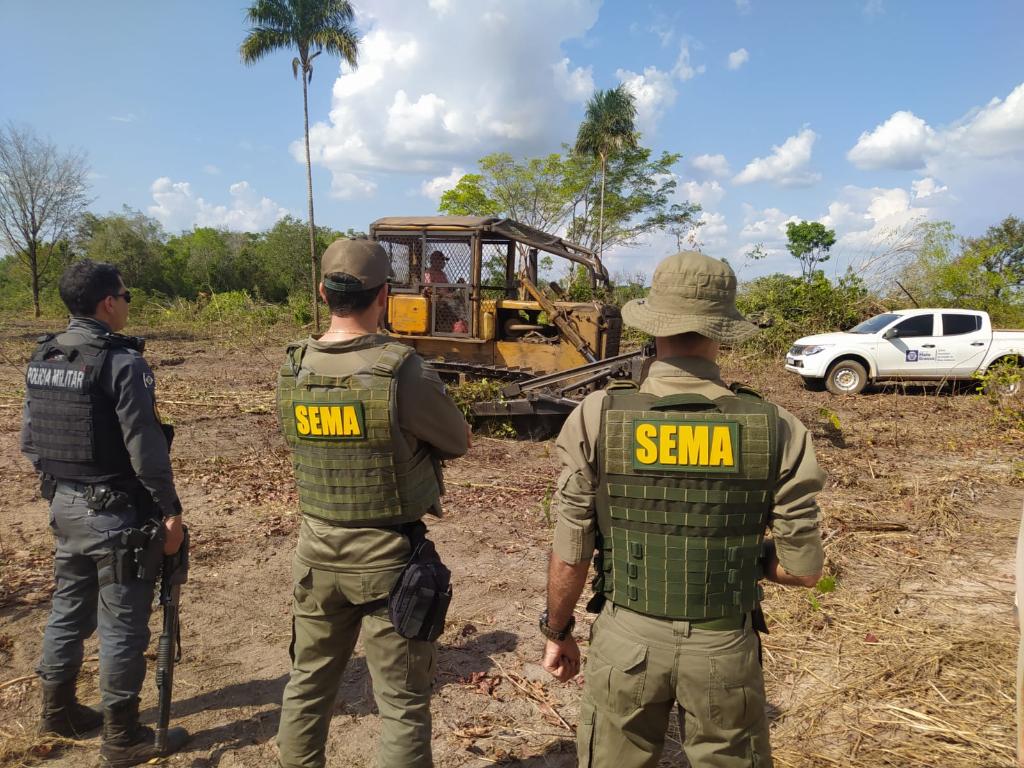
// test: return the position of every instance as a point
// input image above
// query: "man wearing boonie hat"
(671, 487)
(368, 423)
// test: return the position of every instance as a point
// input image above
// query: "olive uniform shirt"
(425, 415)
(128, 383)
(794, 521)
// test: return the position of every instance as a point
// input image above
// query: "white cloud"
(211, 169)
(349, 186)
(743, 6)
(713, 231)
(905, 141)
(683, 69)
(786, 165)
(711, 165)
(653, 91)
(874, 8)
(178, 208)
(765, 229)
(841, 217)
(126, 118)
(437, 186)
(738, 58)
(927, 187)
(865, 218)
(440, 7)
(766, 226)
(575, 85)
(431, 93)
(706, 194)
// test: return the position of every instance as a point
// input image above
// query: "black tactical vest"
(74, 426)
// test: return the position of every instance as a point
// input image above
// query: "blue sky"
(866, 114)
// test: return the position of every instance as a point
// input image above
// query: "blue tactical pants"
(80, 605)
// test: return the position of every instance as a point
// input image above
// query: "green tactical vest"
(342, 432)
(686, 489)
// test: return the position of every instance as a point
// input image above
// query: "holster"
(107, 498)
(599, 598)
(137, 556)
(419, 601)
(47, 486)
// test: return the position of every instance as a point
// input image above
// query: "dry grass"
(910, 661)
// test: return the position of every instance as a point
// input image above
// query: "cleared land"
(909, 662)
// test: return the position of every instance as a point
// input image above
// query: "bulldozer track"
(481, 371)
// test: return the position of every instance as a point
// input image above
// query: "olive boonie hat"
(691, 293)
(364, 260)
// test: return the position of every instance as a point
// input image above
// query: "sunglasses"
(127, 296)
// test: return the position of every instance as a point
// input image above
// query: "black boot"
(63, 715)
(125, 742)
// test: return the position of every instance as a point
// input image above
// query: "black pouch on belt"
(418, 603)
(138, 554)
(47, 486)
(103, 497)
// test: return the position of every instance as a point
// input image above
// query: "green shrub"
(300, 308)
(790, 307)
(1002, 387)
(470, 392)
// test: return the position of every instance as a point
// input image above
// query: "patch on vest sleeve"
(686, 446)
(329, 421)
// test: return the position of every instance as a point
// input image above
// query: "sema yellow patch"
(320, 421)
(686, 446)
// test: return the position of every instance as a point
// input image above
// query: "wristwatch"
(556, 634)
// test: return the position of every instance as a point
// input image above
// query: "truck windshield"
(875, 324)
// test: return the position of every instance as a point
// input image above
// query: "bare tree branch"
(43, 192)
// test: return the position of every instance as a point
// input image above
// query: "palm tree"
(323, 25)
(607, 127)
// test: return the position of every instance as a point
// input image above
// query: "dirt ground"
(909, 662)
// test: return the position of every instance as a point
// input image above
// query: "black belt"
(70, 486)
(119, 484)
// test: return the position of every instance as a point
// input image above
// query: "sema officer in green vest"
(671, 488)
(368, 422)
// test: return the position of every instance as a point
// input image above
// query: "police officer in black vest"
(91, 429)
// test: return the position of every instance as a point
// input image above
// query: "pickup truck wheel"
(847, 377)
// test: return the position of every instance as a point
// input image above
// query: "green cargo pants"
(638, 667)
(328, 610)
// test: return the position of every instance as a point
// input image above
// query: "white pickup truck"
(904, 345)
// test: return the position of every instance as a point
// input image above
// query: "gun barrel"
(164, 682)
(175, 573)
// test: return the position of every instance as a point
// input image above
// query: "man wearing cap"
(368, 423)
(671, 487)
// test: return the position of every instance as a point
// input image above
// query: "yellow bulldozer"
(465, 294)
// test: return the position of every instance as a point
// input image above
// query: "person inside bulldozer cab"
(435, 272)
(450, 312)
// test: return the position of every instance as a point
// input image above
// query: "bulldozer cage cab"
(450, 267)
(464, 293)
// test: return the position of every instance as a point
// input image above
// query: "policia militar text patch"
(711, 445)
(329, 421)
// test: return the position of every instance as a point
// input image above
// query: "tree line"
(272, 265)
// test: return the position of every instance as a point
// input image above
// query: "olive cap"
(691, 293)
(365, 260)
